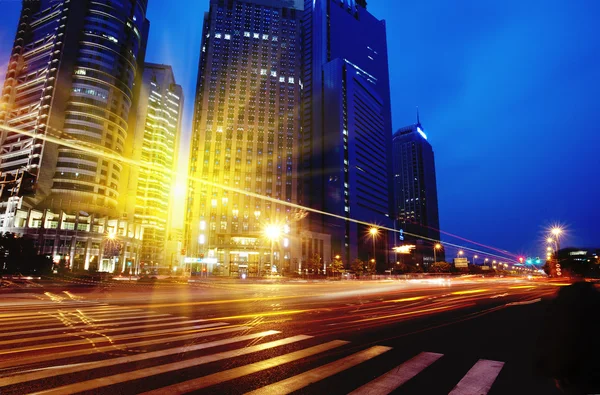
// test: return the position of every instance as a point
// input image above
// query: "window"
(246, 34)
(217, 35)
(228, 37)
(291, 80)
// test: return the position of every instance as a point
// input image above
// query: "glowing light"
(556, 231)
(373, 231)
(405, 249)
(550, 240)
(111, 236)
(461, 252)
(438, 246)
(202, 225)
(421, 133)
(272, 231)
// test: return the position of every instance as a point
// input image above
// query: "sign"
(461, 262)
(401, 235)
(192, 260)
(485, 268)
(406, 249)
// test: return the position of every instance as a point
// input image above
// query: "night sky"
(508, 94)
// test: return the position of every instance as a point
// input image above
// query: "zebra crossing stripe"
(81, 367)
(91, 341)
(302, 380)
(92, 331)
(231, 374)
(171, 367)
(479, 378)
(90, 351)
(91, 326)
(51, 313)
(399, 375)
(59, 322)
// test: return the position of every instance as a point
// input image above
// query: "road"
(465, 336)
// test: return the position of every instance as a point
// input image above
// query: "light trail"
(101, 152)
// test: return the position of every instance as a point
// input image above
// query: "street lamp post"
(436, 247)
(374, 232)
(272, 232)
(474, 257)
(556, 232)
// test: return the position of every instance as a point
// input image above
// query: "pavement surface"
(433, 336)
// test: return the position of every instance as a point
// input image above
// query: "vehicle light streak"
(470, 291)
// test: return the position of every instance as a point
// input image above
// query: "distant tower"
(415, 190)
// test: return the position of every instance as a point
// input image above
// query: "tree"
(337, 266)
(358, 266)
(440, 267)
(371, 267)
(313, 264)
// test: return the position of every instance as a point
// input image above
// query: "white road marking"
(312, 376)
(22, 361)
(399, 375)
(170, 367)
(479, 378)
(99, 331)
(231, 374)
(80, 367)
(103, 339)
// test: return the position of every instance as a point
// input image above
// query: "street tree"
(358, 266)
(337, 266)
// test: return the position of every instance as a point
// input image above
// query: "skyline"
(447, 98)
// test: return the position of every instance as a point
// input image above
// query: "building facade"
(160, 109)
(66, 110)
(415, 191)
(346, 127)
(244, 154)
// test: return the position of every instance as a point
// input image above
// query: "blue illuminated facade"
(346, 126)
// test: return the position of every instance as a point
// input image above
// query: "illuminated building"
(346, 125)
(245, 136)
(415, 189)
(71, 75)
(159, 110)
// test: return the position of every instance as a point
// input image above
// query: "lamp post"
(474, 257)
(436, 247)
(272, 232)
(460, 253)
(556, 232)
(373, 232)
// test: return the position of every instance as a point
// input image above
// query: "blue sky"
(508, 95)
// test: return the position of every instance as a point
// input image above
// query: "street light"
(272, 231)
(374, 232)
(460, 252)
(438, 246)
(556, 232)
(474, 257)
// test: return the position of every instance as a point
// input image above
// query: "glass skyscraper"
(246, 127)
(346, 125)
(160, 110)
(415, 189)
(71, 76)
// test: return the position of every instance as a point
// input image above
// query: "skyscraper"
(159, 110)
(415, 190)
(246, 128)
(71, 77)
(346, 125)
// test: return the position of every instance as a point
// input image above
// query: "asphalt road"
(465, 336)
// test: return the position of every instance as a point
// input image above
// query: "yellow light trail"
(407, 299)
(469, 292)
(522, 286)
(100, 151)
(401, 314)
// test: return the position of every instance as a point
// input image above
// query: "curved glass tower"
(74, 74)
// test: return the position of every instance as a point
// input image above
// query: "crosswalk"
(73, 347)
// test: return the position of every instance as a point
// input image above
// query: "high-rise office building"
(160, 108)
(415, 190)
(346, 126)
(246, 128)
(72, 77)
